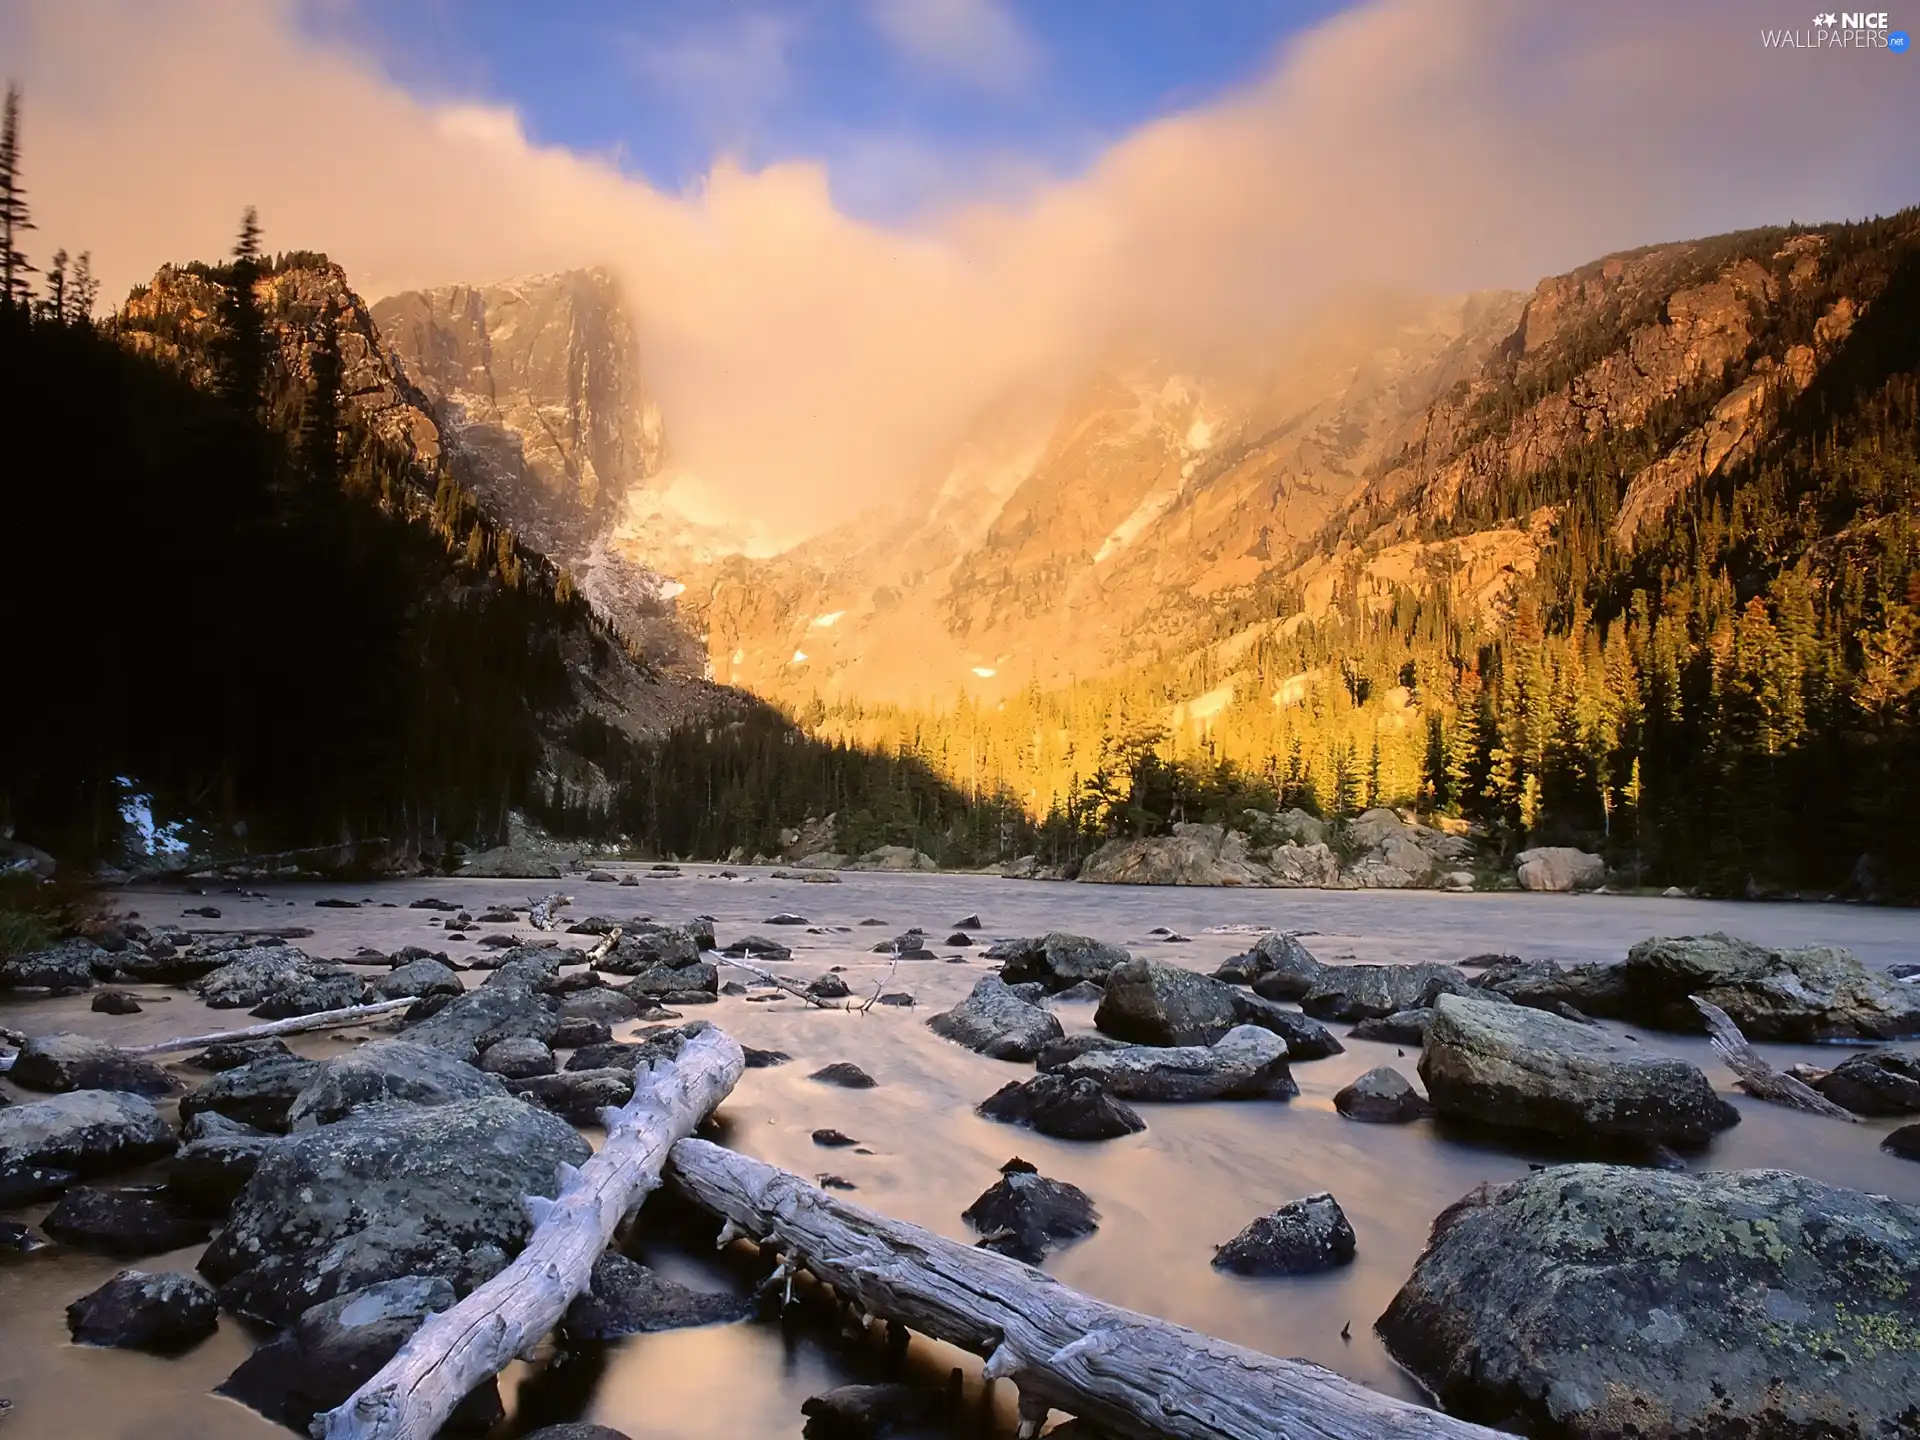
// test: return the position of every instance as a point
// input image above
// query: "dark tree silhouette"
(14, 216)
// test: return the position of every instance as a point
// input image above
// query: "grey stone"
(578, 1095)
(1382, 1096)
(1056, 960)
(1025, 1215)
(385, 1072)
(626, 1298)
(259, 1093)
(1066, 1109)
(1247, 1063)
(1881, 1082)
(996, 1022)
(164, 1313)
(1300, 1237)
(517, 1058)
(122, 1222)
(63, 968)
(417, 978)
(88, 1132)
(78, 1062)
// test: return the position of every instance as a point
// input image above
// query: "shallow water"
(1166, 1197)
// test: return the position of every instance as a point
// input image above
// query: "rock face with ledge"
(1596, 1301)
(1522, 1069)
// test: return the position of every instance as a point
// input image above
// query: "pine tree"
(243, 361)
(82, 290)
(14, 216)
(54, 306)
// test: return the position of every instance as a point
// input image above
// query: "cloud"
(724, 75)
(807, 361)
(980, 42)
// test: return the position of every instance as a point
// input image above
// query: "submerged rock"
(232, 1054)
(1510, 1066)
(1062, 1052)
(1595, 1301)
(1881, 1082)
(1382, 1096)
(86, 1132)
(1066, 1109)
(116, 1002)
(1278, 963)
(1403, 1027)
(391, 1191)
(626, 1298)
(137, 1311)
(79, 1062)
(1056, 960)
(1300, 1237)
(996, 1022)
(122, 1222)
(846, 1075)
(1247, 1063)
(869, 1412)
(1025, 1215)
(335, 1347)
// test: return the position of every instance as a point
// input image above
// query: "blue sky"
(908, 101)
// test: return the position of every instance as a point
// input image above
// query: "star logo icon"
(1827, 19)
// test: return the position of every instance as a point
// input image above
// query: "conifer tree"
(244, 351)
(82, 290)
(15, 219)
(54, 305)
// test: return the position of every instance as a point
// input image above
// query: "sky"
(846, 228)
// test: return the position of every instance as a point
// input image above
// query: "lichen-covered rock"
(1056, 960)
(1150, 1003)
(1247, 1063)
(644, 945)
(1511, 1066)
(232, 1054)
(1403, 1027)
(247, 977)
(1596, 1301)
(416, 978)
(1816, 993)
(1382, 1096)
(259, 1093)
(1025, 1215)
(396, 1190)
(1279, 965)
(1066, 1109)
(626, 1298)
(996, 1022)
(578, 1096)
(216, 1159)
(87, 1132)
(384, 1072)
(468, 1023)
(1302, 1236)
(63, 968)
(1367, 992)
(1881, 1082)
(517, 1058)
(332, 987)
(79, 1062)
(136, 1311)
(122, 1222)
(1602, 991)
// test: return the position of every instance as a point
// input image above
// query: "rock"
(1072, 1047)
(417, 978)
(30, 1184)
(574, 1031)
(137, 1311)
(337, 1346)
(517, 1058)
(1056, 960)
(833, 1139)
(1025, 1214)
(1247, 1063)
(387, 1072)
(1518, 1068)
(1382, 1096)
(1150, 1003)
(1559, 868)
(959, 938)
(765, 1059)
(431, 902)
(115, 1002)
(1601, 990)
(607, 1055)
(1594, 1301)
(1368, 992)
(1191, 855)
(869, 1412)
(470, 1022)
(968, 922)
(247, 977)
(1300, 1237)
(786, 917)
(578, 1096)
(1880, 1082)
(62, 968)
(1403, 1027)
(893, 858)
(259, 1094)
(1304, 867)
(1066, 1109)
(994, 1021)
(217, 1160)
(1904, 1142)
(1081, 992)
(77, 1062)
(232, 1054)
(602, 1006)
(829, 987)
(122, 1222)
(1807, 995)
(900, 999)
(1280, 960)
(846, 1075)
(388, 1192)
(625, 1298)
(87, 1132)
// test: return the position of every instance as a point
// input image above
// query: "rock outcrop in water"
(997, 1022)
(1594, 1302)
(1247, 1063)
(1024, 1214)
(1300, 1237)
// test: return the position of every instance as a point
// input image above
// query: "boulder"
(247, 977)
(578, 1096)
(1025, 1214)
(1594, 1301)
(78, 1062)
(1063, 1051)
(1304, 867)
(87, 1132)
(115, 1002)
(386, 1072)
(1300, 1237)
(893, 858)
(675, 982)
(870, 1412)
(1056, 960)
(1149, 1003)
(1382, 1096)
(601, 1006)
(392, 1191)
(417, 978)
(331, 987)
(1880, 1082)
(1066, 1109)
(259, 1094)
(1247, 1063)
(845, 1074)
(1807, 995)
(232, 1054)
(123, 1222)
(1517, 1068)
(996, 1022)
(62, 968)
(1559, 868)
(30, 1184)
(468, 1023)
(1191, 855)
(644, 945)
(335, 1347)
(217, 1159)
(574, 1031)
(1367, 992)
(1081, 992)
(1904, 1142)
(626, 1298)
(1403, 1027)
(580, 1430)
(137, 1311)
(1601, 990)
(757, 947)
(829, 987)
(517, 1058)
(1280, 964)
(1389, 854)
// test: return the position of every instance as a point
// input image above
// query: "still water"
(1166, 1197)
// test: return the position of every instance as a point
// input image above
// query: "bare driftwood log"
(1756, 1076)
(460, 1348)
(792, 987)
(319, 1020)
(541, 913)
(1127, 1374)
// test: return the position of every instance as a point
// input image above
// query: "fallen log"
(319, 1020)
(779, 982)
(541, 913)
(256, 932)
(1127, 1374)
(457, 1349)
(1754, 1075)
